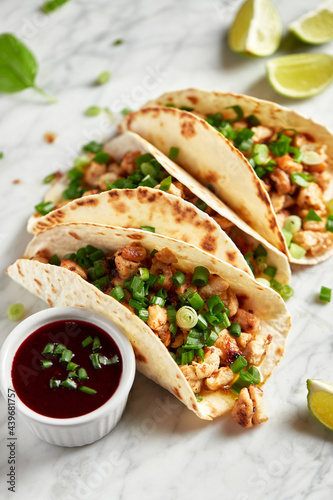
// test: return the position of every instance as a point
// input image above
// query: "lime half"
(257, 29)
(300, 75)
(320, 401)
(315, 26)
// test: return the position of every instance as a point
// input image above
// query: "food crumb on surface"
(49, 137)
(16, 181)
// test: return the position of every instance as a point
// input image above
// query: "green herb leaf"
(93, 111)
(103, 77)
(126, 111)
(1, 155)
(18, 67)
(52, 5)
(119, 41)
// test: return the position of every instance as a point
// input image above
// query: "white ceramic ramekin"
(85, 429)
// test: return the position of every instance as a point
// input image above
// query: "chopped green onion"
(201, 205)
(200, 276)
(170, 105)
(49, 178)
(212, 338)
(87, 390)
(198, 398)
(103, 77)
(69, 383)
(95, 255)
(196, 301)
(166, 183)
(186, 317)
(286, 292)
(288, 236)
(54, 384)
(82, 374)
(46, 363)
(101, 158)
(178, 278)
(313, 216)
(292, 224)
(252, 121)
(261, 260)
(300, 179)
(95, 361)
(224, 320)
(215, 305)
(260, 153)
(296, 251)
(108, 361)
(239, 112)
(72, 375)
(87, 341)
(255, 374)
(329, 223)
(173, 153)
(101, 282)
(260, 251)
(51, 5)
(156, 300)
(148, 228)
(48, 349)
(59, 349)
(235, 330)
(298, 154)
(160, 279)
(144, 273)
(119, 41)
(270, 271)
(245, 379)
(96, 344)
(92, 147)
(171, 310)
(54, 260)
(238, 364)
(79, 162)
(66, 356)
(45, 207)
(93, 111)
(329, 205)
(263, 281)
(202, 322)
(143, 314)
(1, 155)
(325, 294)
(72, 366)
(70, 256)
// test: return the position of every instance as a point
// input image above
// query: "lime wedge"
(257, 29)
(300, 75)
(320, 401)
(315, 26)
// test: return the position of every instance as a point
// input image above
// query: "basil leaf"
(18, 67)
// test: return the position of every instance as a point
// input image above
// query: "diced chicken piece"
(288, 165)
(229, 298)
(281, 180)
(229, 350)
(75, 268)
(224, 223)
(93, 173)
(180, 290)
(311, 197)
(314, 225)
(90, 192)
(191, 377)
(278, 201)
(179, 339)
(158, 322)
(248, 408)
(127, 164)
(166, 256)
(314, 243)
(42, 256)
(215, 286)
(210, 364)
(239, 125)
(300, 140)
(267, 184)
(221, 378)
(128, 259)
(323, 179)
(248, 321)
(243, 340)
(281, 217)
(109, 177)
(256, 349)
(288, 201)
(261, 133)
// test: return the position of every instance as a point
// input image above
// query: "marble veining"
(159, 450)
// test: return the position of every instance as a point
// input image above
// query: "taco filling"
(96, 172)
(294, 171)
(217, 344)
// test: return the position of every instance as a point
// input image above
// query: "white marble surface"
(159, 450)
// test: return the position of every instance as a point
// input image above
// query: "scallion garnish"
(312, 215)
(215, 304)
(103, 77)
(292, 224)
(93, 111)
(96, 344)
(15, 312)
(66, 356)
(59, 348)
(82, 374)
(186, 317)
(54, 260)
(148, 228)
(48, 349)
(196, 301)
(270, 271)
(178, 278)
(260, 153)
(54, 384)
(239, 112)
(87, 341)
(87, 390)
(45, 207)
(95, 361)
(72, 366)
(201, 205)
(72, 375)
(49, 178)
(296, 251)
(166, 183)
(92, 147)
(160, 279)
(238, 364)
(288, 236)
(143, 314)
(46, 363)
(69, 383)
(200, 276)
(173, 153)
(212, 338)
(235, 330)
(325, 294)
(329, 223)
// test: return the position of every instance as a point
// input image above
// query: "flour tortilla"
(168, 214)
(270, 114)
(60, 287)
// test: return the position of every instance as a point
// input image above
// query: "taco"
(204, 330)
(165, 198)
(288, 155)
